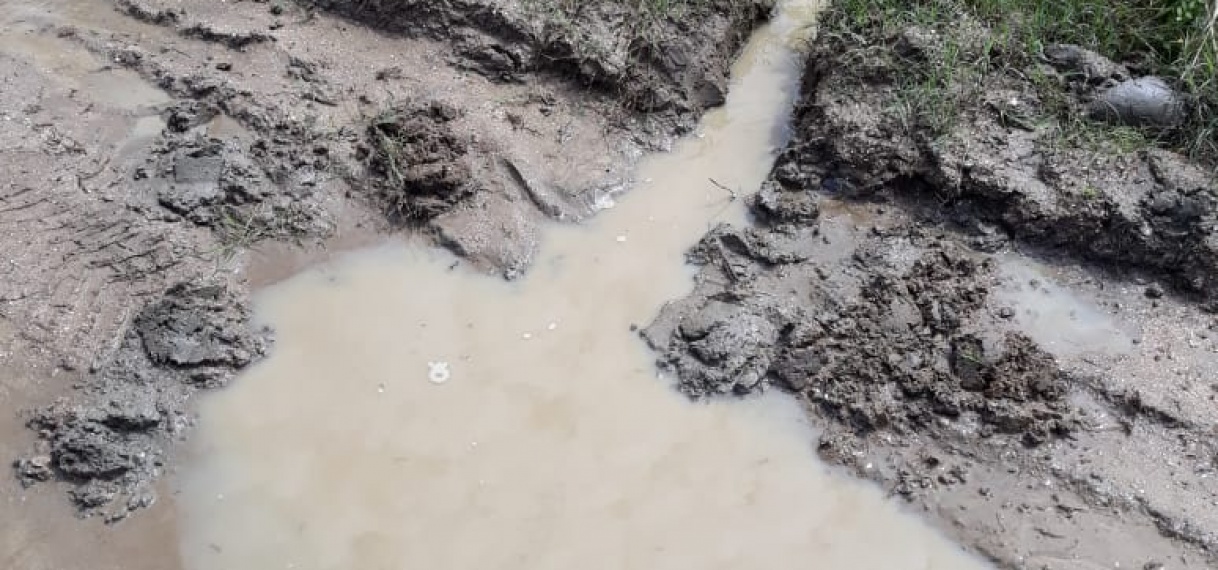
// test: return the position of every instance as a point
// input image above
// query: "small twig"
(729, 191)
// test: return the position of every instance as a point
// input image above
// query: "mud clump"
(875, 286)
(875, 342)
(419, 168)
(110, 440)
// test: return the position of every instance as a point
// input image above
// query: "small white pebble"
(526, 336)
(437, 372)
(380, 388)
(621, 239)
(551, 326)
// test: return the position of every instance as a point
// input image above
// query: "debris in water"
(621, 239)
(551, 326)
(527, 336)
(438, 372)
(731, 193)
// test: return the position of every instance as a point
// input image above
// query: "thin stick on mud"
(729, 191)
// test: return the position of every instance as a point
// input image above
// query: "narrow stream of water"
(414, 415)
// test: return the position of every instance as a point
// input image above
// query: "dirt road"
(1013, 336)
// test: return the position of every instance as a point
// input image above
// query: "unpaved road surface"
(1013, 336)
(162, 157)
(1014, 342)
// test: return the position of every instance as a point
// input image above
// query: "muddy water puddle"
(1061, 320)
(417, 414)
(119, 107)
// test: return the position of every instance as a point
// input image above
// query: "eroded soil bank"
(1011, 331)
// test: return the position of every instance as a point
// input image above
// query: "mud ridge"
(595, 43)
(1148, 210)
(901, 279)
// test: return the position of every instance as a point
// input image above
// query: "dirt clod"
(421, 166)
(110, 440)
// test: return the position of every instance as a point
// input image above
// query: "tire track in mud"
(103, 234)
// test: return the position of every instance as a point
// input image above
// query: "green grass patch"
(1174, 39)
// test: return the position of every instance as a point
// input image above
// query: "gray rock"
(1143, 101)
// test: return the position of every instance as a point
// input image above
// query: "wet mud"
(416, 413)
(1011, 335)
(154, 148)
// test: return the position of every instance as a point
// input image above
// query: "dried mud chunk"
(419, 165)
(210, 180)
(93, 495)
(968, 354)
(796, 368)
(193, 326)
(129, 410)
(90, 451)
(698, 325)
(1025, 372)
(773, 205)
(195, 184)
(731, 353)
(34, 470)
(747, 243)
(109, 439)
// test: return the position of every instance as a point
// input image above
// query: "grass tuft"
(1174, 39)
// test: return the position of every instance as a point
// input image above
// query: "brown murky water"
(418, 415)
